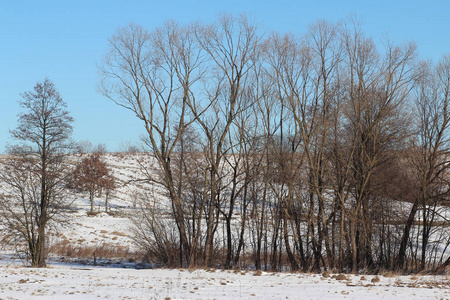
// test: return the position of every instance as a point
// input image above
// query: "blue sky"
(64, 40)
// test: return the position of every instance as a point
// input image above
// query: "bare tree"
(152, 74)
(36, 170)
(92, 175)
(232, 46)
(378, 90)
(83, 147)
(429, 154)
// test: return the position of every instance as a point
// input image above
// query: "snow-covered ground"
(69, 281)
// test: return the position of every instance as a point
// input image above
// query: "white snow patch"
(61, 281)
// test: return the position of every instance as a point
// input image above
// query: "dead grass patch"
(389, 274)
(119, 233)
(92, 213)
(341, 277)
(70, 250)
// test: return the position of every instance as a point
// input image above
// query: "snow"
(100, 229)
(103, 229)
(70, 281)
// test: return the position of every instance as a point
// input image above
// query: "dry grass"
(71, 250)
(389, 274)
(119, 233)
(375, 279)
(93, 213)
(341, 277)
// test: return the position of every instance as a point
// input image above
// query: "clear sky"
(64, 40)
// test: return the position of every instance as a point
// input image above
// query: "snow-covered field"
(69, 281)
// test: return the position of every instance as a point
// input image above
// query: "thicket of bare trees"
(312, 152)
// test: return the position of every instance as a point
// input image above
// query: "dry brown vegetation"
(67, 249)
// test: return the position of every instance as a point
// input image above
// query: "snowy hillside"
(81, 233)
(112, 230)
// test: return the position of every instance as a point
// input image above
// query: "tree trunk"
(229, 259)
(210, 223)
(41, 247)
(91, 199)
(405, 238)
(293, 262)
(354, 247)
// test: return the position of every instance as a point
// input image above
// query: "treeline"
(309, 152)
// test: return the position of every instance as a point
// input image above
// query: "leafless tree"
(378, 90)
(232, 46)
(429, 153)
(152, 74)
(83, 147)
(93, 175)
(35, 174)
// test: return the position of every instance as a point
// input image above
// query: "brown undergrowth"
(105, 251)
